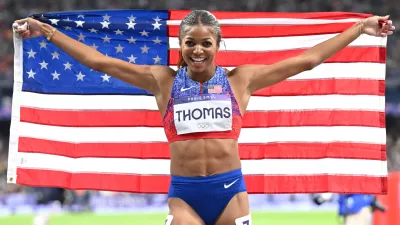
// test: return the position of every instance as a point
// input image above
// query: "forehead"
(199, 32)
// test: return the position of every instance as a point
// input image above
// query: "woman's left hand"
(378, 26)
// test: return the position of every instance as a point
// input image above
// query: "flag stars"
(68, 28)
(131, 24)
(118, 32)
(55, 75)
(106, 78)
(105, 24)
(81, 37)
(80, 76)
(79, 23)
(145, 49)
(157, 59)
(43, 65)
(157, 41)
(31, 54)
(43, 44)
(54, 21)
(132, 59)
(67, 66)
(119, 48)
(92, 30)
(106, 17)
(106, 39)
(81, 16)
(157, 19)
(156, 26)
(144, 33)
(94, 46)
(131, 18)
(132, 40)
(31, 74)
(55, 55)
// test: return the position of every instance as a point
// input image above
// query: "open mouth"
(197, 60)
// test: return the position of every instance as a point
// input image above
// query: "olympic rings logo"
(203, 126)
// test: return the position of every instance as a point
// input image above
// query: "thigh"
(237, 209)
(180, 213)
(364, 217)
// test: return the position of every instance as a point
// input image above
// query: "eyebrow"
(201, 39)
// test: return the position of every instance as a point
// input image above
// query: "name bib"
(203, 113)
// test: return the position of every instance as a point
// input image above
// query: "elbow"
(96, 63)
(311, 62)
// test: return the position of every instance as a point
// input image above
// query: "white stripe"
(272, 21)
(256, 103)
(161, 166)
(374, 71)
(284, 43)
(15, 116)
(317, 102)
(320, 134)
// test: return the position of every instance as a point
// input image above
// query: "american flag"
(320, 131)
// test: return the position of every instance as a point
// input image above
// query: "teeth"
(198, 59)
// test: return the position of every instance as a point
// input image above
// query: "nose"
(198, 50)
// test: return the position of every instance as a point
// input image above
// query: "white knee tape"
(168, 220)
(245, 220)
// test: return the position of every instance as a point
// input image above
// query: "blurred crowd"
(15, 9)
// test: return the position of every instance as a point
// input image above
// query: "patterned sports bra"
(202, 110)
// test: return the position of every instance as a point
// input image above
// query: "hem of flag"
(13, 157)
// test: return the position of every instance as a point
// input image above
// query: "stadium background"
(19, 204)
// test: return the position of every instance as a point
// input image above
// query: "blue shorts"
(208, 196)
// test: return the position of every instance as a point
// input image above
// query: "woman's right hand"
(30, 31)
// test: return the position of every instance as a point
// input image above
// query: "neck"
(204, 76)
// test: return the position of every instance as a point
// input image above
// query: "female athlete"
(202, 106)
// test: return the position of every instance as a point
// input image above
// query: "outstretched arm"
(261, 76)
(142, 76)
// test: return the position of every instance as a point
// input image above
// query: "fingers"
(25, 34)
(387, 28)
(22, 21)
(383, 18)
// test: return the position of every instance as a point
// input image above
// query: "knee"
(245, 220)
(181, 220)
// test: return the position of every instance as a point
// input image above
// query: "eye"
(189, 43)
(207, 44)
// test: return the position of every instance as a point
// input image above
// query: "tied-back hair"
(198, 17)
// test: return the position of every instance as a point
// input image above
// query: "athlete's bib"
(203, 113)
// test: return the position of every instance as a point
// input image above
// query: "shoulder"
(243, 70)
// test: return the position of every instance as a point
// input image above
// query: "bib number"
(204, 113)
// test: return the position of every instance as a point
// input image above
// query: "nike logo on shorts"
(229, 185)
(185, 89)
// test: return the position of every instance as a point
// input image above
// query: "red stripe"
(246, 151)
(251, 119)
(235, 58)
(256, 31)
(180, 14)
(325, 87)
(160, 184)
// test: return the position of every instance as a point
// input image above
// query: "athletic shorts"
(208, 195)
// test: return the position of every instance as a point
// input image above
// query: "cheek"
(212, 53)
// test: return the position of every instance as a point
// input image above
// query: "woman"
(202, 107)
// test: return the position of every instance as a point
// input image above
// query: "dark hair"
(198, 17)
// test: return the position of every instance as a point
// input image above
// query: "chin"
(197, 69)
(194, 67)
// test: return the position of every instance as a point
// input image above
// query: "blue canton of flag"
(136, 36)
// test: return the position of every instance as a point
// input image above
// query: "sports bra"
(202, 110)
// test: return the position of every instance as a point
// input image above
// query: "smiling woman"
(199, 40)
